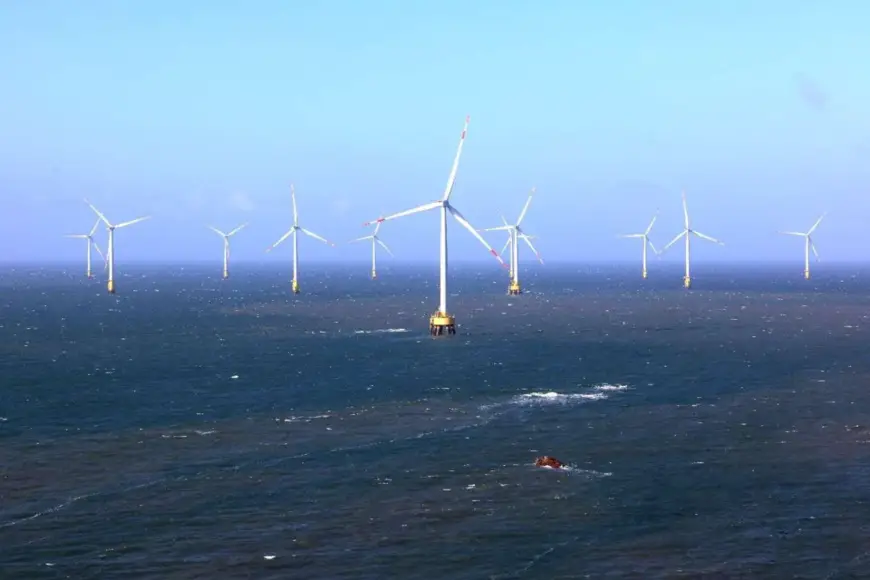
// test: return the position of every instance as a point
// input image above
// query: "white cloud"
(341, 206)
(241, 201)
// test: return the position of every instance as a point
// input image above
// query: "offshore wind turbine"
(375, 241)
(111, 251)
(294, 232)
(91, 242)
(226, 238)
(808, 244)
(442, 322)
(688, 232)
(515, 232)
(646, 242)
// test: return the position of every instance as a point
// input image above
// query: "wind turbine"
(646, 242)
(808, 245)
(688, 232)
(515, 232)
(294, 232)
(111, 250)
(226, 238)
(442, 322)
(90, 238)
(375, 241)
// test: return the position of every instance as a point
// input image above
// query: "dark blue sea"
(189, 427)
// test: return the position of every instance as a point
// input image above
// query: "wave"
(609, 387)
(538, 398)
(381, 331)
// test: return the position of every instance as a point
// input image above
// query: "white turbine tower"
(294, 232)
(515, 233)
(442, 322)
(808, 244)
(111, 251)
(90, 238)
(688, 232)
(375, 241)
(646, 242)
(226, 238)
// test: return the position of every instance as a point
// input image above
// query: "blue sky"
(203, 111)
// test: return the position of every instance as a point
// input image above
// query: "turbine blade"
(649, 227)
(99, 251)
(674, 241)
(377, 228)
(632, 236)
(361, 239)
(100, 215)
(295, 211)
(818, 221)
(237, 230)
(281, 239)
(384, 246)
(217, 231)
(131, 222)
(685, 211)
(78, 236)
(418, 209)
(316, 237)
(793, 233)
(94, 229)
(506, 245)
(708, 238)
(498, 229)
(813, 248)
(461, 219)
(452, 178)
(529, 243)
(526, 207)
(651, 245)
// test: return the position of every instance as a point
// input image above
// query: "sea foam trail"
(536, 398)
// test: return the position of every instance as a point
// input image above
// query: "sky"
(205, 111)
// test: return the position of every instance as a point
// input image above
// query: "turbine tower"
(688, 232)
(111, 251)
(646, 242)
(808, 244)
(294, 232)
(442, 322)
(91, 242)
(375, 241)
(515, 232)
(226, 238)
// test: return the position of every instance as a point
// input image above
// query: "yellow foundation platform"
(295, 287)
(442, 323)
(374, 275)
(687, 282)
(643, 274)
(514, 289)
(111, 286)
(806, 274)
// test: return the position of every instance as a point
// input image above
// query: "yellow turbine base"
(806, 274)
(226, 275)
(442, 323)
(643, 274)
(295, 287)
(514, 289)
(687, 282)
(111, 286)
(374, 275)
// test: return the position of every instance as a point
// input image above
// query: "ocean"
(189, 427)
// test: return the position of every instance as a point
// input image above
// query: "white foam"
(536, 398)
(381, 331)
(609, 387)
